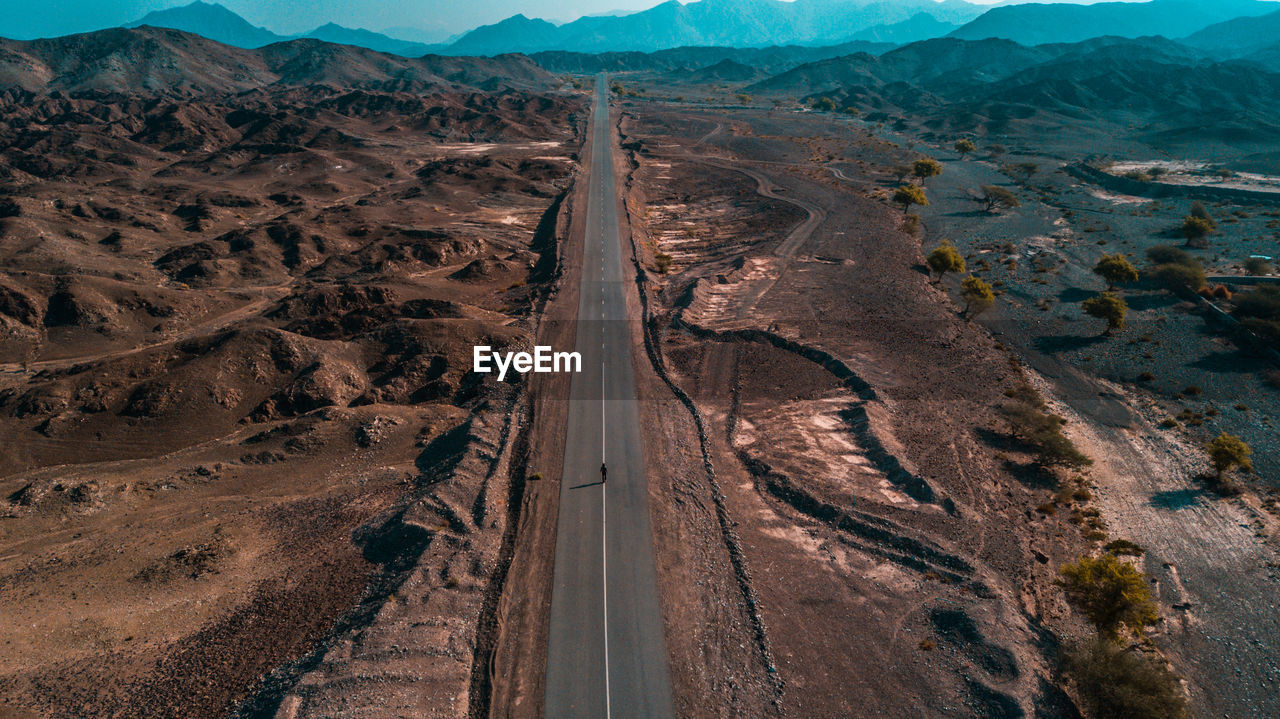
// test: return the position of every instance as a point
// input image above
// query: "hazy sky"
(43, 18)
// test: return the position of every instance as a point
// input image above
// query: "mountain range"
(216, 22)
(172, 62)
(1223, 28)
(1040, 23)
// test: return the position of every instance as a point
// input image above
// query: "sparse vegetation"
(1228, 452)
(945, 258)
(964, 146)
(1259, 312)
(1125, 548)
(910, 225)
(994, 197)
(1175, 269)
(662, 262)
(926, 167)
(1021, 171)
(1119, 683)
(1107, 306)
(908, 195)
(1116, 270)
(1197, 230)
(823, 104)
(1110, 593)
(1029, 420)
(1257, 266)
(977, 295)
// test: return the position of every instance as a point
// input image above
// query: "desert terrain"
(248, 469)
(236, 398)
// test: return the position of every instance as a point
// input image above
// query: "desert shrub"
(1116, 270)
(1257, 266)
(1110, 593)
(1109, 307)
(977, 296)
(1137, 175)
(1199, 211)
(1117, 683)
(908, 195)
(964, 146)
(1227, 452)
(994, 197)
(662, 262)
(1196, 230)
(823, 104)
(1029, 420)
(1123, 547)
(1166, 255)
(926, 167)
(1261, 303)
(945, 258)
(910, 225)
(1178, 277)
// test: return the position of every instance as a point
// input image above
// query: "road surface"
(606, 656)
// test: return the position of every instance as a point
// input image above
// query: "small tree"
(1109, 307)
(1116, 270)
(1199, 210)
(994, 196)
(945, 258)
(1110, 593)
(926, 167)
(977, 296)
(824, 104)
(1227, 452)
(964, 146)
(1196, 230)
(908, 195)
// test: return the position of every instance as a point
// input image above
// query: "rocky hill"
(151, 59)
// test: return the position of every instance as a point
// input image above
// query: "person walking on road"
(604, 472)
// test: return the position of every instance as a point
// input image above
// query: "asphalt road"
(606, 656)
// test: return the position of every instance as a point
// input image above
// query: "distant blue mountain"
(212, 21)
(1040, 23)
(367, 38)
(731, 23)
(217, 23)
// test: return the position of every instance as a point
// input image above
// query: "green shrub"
(1166, 255)
(1110, 593)
(1116, 683)
(1261, 303)
(945, 258)
(1179, 277)
(1123, 547)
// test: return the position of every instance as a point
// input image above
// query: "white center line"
(604, 526)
